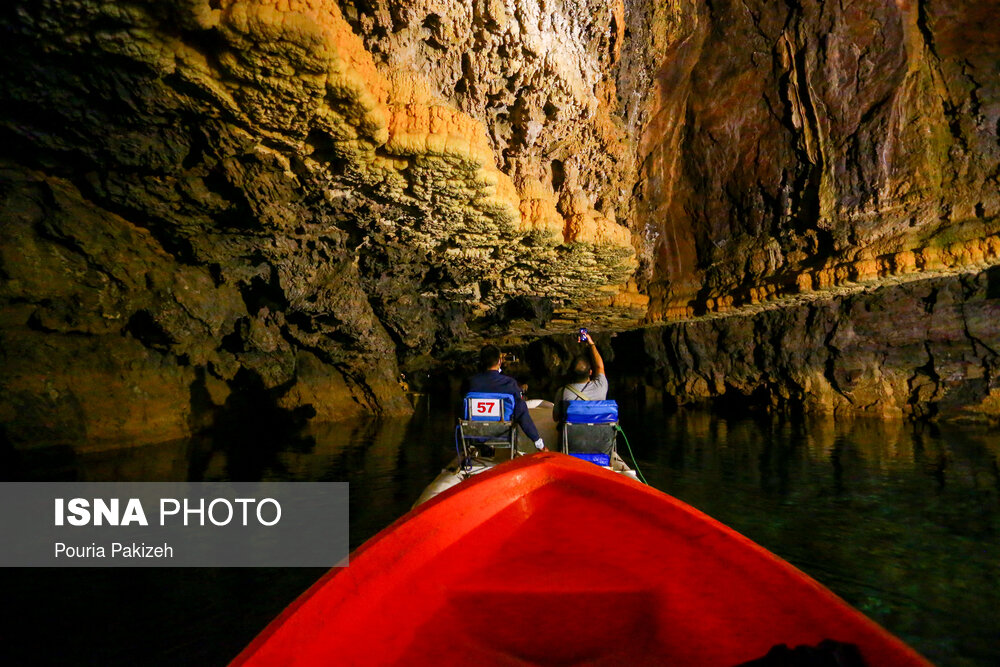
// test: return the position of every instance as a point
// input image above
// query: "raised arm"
(595, 357)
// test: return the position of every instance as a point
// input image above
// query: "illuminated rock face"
(801, 153)
(206, 200)
(209, 199)
(799, 148)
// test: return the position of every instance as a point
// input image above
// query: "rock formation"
(214, 204)
(799, 147)
(923, 349)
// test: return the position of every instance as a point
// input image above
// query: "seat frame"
(503, 437)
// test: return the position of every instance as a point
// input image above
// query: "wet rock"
(927, 349)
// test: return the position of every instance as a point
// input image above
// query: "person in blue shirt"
(492, 381)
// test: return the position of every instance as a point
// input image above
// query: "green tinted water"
(899, 519)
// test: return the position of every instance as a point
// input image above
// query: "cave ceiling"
(241, 185)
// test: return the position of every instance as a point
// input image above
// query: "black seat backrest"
(495, 434)
(590, 438)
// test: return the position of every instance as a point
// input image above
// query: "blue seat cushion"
(592, 412)
(481, 406)
(599, 459)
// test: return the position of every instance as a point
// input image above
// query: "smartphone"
(583, 336)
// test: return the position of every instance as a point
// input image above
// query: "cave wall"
(798, 156)
(928, 349)
(205, 197)
(209, 200)
(106, 336)
(815, 147)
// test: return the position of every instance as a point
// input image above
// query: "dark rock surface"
(927, 349)
(106, 335)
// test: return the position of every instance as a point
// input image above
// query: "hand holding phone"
(584, 336)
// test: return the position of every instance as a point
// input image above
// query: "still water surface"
(901, 520)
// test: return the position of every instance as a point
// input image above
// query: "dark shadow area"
(9, 459)
(251, 428)
(993, 282)
(205, 616)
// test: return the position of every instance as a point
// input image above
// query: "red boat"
(554, 561)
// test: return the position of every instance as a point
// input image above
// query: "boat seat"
(487, 426)
(590, 431)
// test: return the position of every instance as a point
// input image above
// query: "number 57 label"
(487, 408)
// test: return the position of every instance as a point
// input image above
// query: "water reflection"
(900, 519)
(387, 462)
(170, 616)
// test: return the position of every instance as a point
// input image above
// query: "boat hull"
(551, 560)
